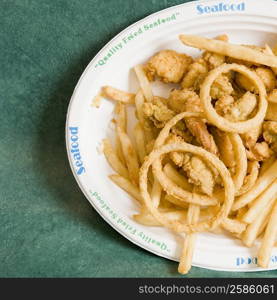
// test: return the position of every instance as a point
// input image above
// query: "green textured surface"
(47, 227)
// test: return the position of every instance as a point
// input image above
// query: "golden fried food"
(204, 157)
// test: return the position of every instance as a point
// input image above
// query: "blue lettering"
(214, 9)
(220, 7)
(200, 9)
(77, 156)
(73, 130)
(74, 138)
(75, 150)
(81, 170)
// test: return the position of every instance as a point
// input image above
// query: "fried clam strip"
(261, 184)
(213, 222)
(260, 203)
(222, 123)
(188, 100)
(255, 228)
(231, 50)
(118, 95)
(189, 241)
(268, 240)
(168, 185)
(225, 147)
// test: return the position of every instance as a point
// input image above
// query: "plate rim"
(78, 180)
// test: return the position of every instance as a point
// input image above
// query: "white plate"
(245, 21)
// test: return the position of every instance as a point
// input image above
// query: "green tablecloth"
(47, 227)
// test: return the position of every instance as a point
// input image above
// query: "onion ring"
(168, 185)
(222, 123)
(241, 161)
(214, 161)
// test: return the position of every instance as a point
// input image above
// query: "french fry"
(256, 227)
(176, 177)
(260, 203)
(130, 155)
(139, 101)
(118, 150)
(118, 95)
(231, 50)
(233, 226)
(262, 183)
(144, 83)
(127, 186)
(147, 219)
(120, 111)
(176, 201)
(113, 159)
(268, 240)
(96, 102)
(189, 241)
(140, 142)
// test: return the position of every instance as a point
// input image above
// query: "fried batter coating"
(168, 65)
(238, 110)
(259, 152)
(221, 87)
(178, 100)
(214, 60)
(196, 74)
(270, 134)
(188, 100)
(199, 174)
(273, 96)
(158, 112)
(265, 74)
(225, 147)
(250, 138)
(268, 78)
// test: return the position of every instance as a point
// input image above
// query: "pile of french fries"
(166, 196)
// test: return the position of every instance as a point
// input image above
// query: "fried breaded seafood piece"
(250, 138)
(270, 134)
(238, 110)
(196, 74)
(221, 87)
(188, 100)
(168, 65)
(199, 174)
(158, 112)
(178, 100)
(214, 60)
(267, 76)
(273, 96)
(259, 152)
